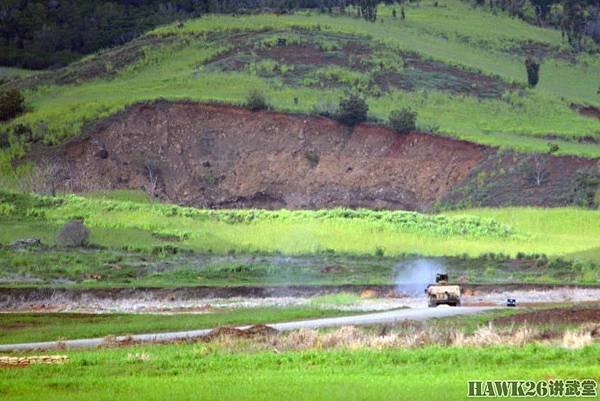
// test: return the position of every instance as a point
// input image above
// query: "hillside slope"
(464, 79)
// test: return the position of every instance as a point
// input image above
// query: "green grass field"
(565, 232)
(139, 243)
(195, 62)
(195, 371)
(31, 327)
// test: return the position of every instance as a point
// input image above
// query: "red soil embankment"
(224, 156)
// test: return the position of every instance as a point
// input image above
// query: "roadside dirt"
(212, 299)
(554, 316)
(257, 330)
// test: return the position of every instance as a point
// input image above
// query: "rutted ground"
(227, 157)
(214, 300)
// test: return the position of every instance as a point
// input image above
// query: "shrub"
(587, 188)
(11, 104)
(73, 234)
(312, 157)
(325, 108)
(255, 100)
(4, 139)
(352, 110)
(403, 121)
(553, 148)
(533, 71)
(23, 131)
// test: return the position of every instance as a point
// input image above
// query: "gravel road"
(366, 319)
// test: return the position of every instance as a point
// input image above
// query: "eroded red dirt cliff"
(223, 156)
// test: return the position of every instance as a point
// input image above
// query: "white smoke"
(413, 276)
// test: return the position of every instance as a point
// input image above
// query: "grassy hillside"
(460, 68)
(8, 73)
(571, 233)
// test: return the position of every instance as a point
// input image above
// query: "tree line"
(575, 18)
(52, 33)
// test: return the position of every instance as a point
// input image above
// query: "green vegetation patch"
(562, 232)
(342, 298)
(158, 217)
(32, 327)
(106, 268)
(189, 371)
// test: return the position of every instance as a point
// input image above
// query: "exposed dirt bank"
(222, 156)
(228, 157)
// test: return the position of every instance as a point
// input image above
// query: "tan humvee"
(442, 293)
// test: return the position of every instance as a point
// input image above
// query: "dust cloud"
(413, 276)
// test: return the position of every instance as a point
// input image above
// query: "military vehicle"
(442, 293)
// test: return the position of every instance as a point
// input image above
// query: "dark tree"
(256, 100)
(542, 8)
(573, 22)
(352, 110)
(403, 121)
(368, 9)
(11, 104)
(533, 71)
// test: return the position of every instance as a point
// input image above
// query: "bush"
(352, 110)
(4, 139)
(255, 101)
(587, 188)
(553, 148)
(533, 71)
(23, 131)
(312, 157)
(403, 121)
(73, 234)
(11, 104)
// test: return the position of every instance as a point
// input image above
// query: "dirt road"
(367, 319)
